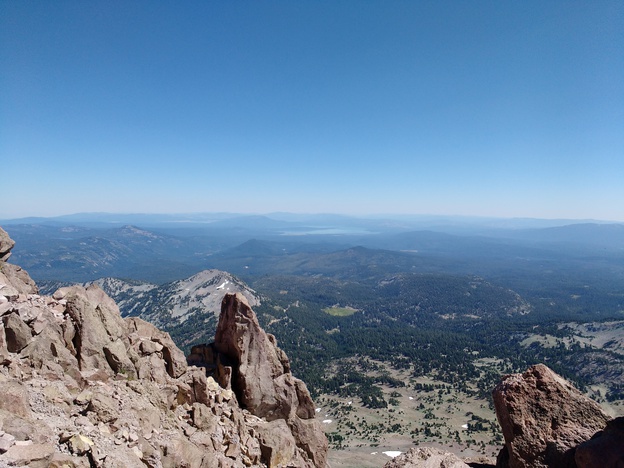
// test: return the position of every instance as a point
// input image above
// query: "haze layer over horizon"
(478, 109)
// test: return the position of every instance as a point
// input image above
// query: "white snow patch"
(464, 426)
(411, 398)
(318, 410)
(373, 453)
(349, 403)
(392, 453)
(327, 421)
(222, 285)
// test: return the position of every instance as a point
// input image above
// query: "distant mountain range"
(293, 223)
(163, 248)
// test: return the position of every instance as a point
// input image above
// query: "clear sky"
(492, 108)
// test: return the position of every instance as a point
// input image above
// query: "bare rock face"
(605, 449)
(82, 387)
(15, 281)
(426, 457)
(543, 419)
(6, 244)
(261, 379)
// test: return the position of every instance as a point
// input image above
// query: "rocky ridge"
(177, 301)
(82, 387)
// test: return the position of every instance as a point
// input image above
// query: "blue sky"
(490, 108)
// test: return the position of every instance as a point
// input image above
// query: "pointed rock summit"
(82, 387)
(260, 378)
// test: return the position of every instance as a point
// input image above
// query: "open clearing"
(425, 412)
(340, 311)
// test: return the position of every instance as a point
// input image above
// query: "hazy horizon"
(487, 109)
(218, 215)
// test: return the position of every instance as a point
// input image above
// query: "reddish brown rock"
(17, 333)
(6, 244)
(277, 445)
(19, 279)
(14, 398)
(80, 386)
(13, 280)
(175, 360)
(605, 449)
(261, 377)
(97, 324)
(543, 419)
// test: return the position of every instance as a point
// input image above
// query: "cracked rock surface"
(82, 387)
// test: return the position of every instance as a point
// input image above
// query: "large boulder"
(13, 280)
(17, 333)
(153, 340)
(98, 326)
(543, 419)
(277, 445)
(605, 449)
(261, 377)
(14, 398)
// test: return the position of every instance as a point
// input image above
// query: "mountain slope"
(79, 254)
(80, 386)
(187, 308)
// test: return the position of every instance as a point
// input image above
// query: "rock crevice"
(246, 359)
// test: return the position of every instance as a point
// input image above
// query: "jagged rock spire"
(261, 377)
(81, 386)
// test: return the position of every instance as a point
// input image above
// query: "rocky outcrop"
(6, 244)
(543, 419)
(168, 305)
(605, 449)
(426, 457)
(82, 387)
(246, 359)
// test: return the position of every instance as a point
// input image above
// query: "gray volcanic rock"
(261, 378)
(426, 457)
(543, 419)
